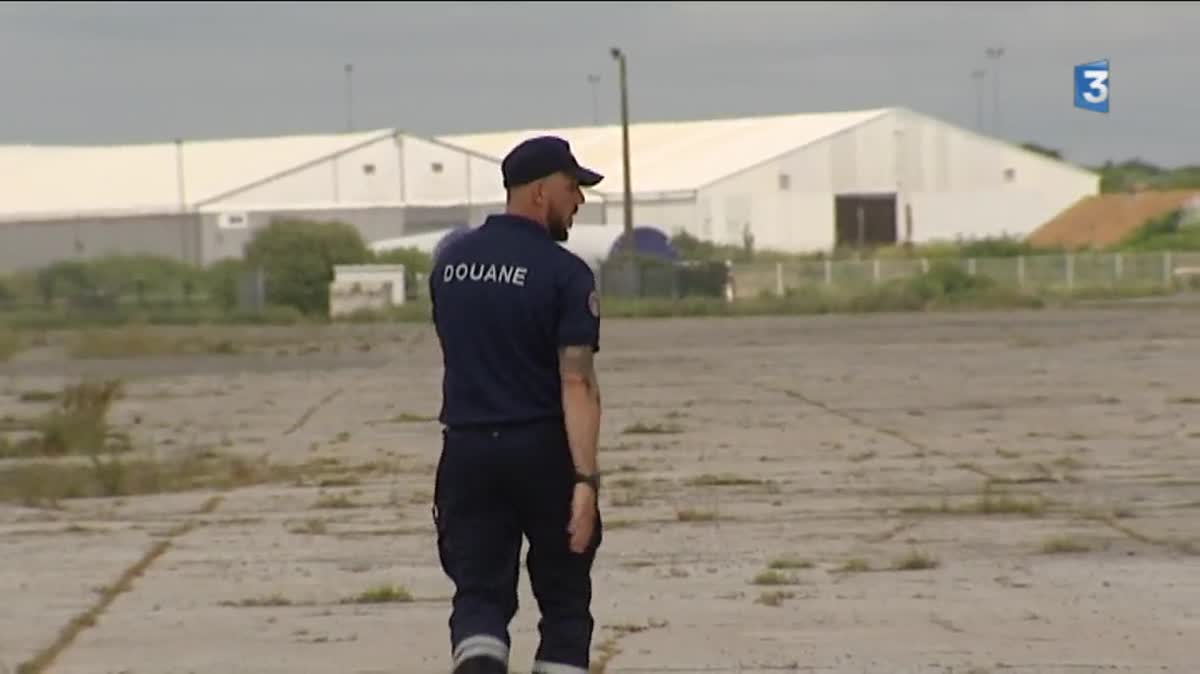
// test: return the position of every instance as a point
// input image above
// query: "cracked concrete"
(826, 439)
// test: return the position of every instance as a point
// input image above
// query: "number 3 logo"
(1097, 82)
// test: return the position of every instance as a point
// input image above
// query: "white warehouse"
(811, 182)
(804, 182)
(199, 201)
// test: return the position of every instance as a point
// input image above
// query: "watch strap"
(592, 479)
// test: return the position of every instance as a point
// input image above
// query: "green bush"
(8, 294)
(10, 344)
(146, 277)
(69, 279)
(413, 259)
(1163, 233)
(221, 282)
(705, 279)
(944, 287)
(946, 278)
(661, 278)
(298, 257)
(692, 248)
(106, 283)
(999, 247)
(1126, 175)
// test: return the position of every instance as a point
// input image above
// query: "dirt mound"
(1105, 219)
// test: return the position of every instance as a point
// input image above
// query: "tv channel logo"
(1091, 86)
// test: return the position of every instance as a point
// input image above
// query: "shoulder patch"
(594, 303)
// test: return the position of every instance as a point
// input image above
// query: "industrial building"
(810, 182)
(594, 244)
(199, 201)
(803, 182)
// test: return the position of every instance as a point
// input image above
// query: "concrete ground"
(984, 493)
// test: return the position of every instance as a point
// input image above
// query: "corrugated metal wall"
(29, 245)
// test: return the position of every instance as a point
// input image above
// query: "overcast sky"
(115, 72)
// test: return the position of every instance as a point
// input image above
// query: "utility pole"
(179, 180)
(977, 75)
(349, 69)
(995, 53)
(628, 200)
(593, 80)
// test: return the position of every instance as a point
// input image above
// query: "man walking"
(518, 320)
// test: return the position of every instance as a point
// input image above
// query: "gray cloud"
(121, 72)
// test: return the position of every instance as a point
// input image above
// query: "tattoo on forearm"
(578, 361)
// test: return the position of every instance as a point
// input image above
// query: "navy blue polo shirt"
(505, 298)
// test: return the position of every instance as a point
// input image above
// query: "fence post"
(971, 266)
(1119, 265)
(1070, 271)
(828, 272)
(1167, 268)
(779, 278)
(1021, 271)
(875, 270)
(924, 265)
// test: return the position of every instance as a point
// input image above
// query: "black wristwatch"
(592, 479)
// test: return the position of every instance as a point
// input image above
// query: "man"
(518, 319)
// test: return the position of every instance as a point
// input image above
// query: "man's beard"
(557, 225)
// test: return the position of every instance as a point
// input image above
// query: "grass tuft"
(259, 602)
(915, 561)
(136, 341)
(855, 565)
(381, 594)
(772, 577)
(722, 480)
(47, 483)
(10, 344)
(77, 426)
(335, 501)
(1064, 545)
(642, 428)
(695, 515)
(774, 598)
(790, 563)
(988, 502)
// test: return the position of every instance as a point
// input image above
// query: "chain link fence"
(180, 295)
(1067, 272)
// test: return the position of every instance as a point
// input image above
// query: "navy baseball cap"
(542, 156)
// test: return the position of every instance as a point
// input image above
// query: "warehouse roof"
(48, 181)
(41, 181)
(679, 156)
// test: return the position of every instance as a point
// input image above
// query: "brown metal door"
(865, 220)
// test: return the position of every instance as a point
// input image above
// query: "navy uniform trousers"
(495, 483)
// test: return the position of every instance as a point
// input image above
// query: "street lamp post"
(995, 53)
(593, 80)
(628, 199)
(349, 69)
(977, 75)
